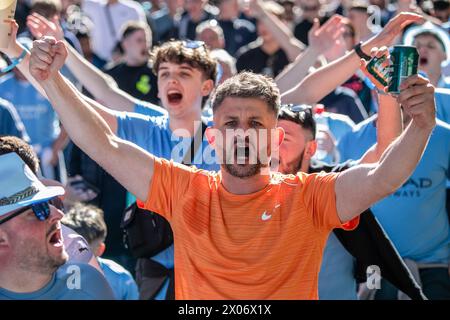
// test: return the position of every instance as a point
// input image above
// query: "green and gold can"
(391, 72)
(405, 60)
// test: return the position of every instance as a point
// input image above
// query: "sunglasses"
(41, 210)
(298, 107)
(193, 44)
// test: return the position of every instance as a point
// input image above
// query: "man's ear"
(211, 136)
(279, 135)
(207, 87)
(3, 238)
(100, 249)
(310, 149)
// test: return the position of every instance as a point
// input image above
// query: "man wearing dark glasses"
(32, 253)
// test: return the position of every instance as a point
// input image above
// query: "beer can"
(405, 60)
(380, 69)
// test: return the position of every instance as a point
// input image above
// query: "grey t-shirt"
(72, 281)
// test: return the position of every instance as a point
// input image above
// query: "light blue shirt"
(339, 124)
(37, 114)
(70, 282)
(120, 280)
(149, 109)
(336, 278)
(442, 98)
(415, 216)
(10, 123)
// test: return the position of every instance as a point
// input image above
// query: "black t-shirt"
(302, 28)
(253, 58)
(140, 82)
(237, 33)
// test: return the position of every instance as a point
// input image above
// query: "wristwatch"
(360, 53)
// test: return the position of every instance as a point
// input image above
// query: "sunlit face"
(431, 53)
(310, 8)
(293, 147)
(136, 46)
(194, 7)
(33, 245)
(181, 87)
(265, 34)
(211, 39)
(244, 130)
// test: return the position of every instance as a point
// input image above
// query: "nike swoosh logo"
(265, 216)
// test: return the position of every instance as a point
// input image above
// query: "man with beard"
(32, 254)
(241, 234)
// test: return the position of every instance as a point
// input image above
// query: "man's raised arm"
(102, 86)
(324, 80)
(361, 186)
(129, 164)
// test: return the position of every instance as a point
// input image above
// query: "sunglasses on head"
(194, 44)
(298, 107)
(41, 210)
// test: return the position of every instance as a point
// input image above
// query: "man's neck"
(434, 77)
(244, 186)
(270, 47)
(197, 16)
(227, 16)
(133, 62)
(110, 2)
(23, 281)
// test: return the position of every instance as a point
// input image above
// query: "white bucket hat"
(19, 186)
(428, 27)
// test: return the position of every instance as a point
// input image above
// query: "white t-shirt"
(104, 37)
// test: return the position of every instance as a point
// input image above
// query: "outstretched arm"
(324, 80)
(321, 39)
(279, 31)
(101, 85)
(129, 164)
(15, 49)
(361, 186)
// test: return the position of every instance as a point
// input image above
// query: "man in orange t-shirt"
(242, 233)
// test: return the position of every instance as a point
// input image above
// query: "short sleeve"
(319, 198)
(149, 109)
(134, 127)
(170, 183)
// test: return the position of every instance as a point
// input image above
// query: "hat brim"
(413, 32)
(41, 196)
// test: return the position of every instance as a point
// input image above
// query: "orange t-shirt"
(264, 245)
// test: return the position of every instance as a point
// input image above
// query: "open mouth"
(242, 154)
(56, 238)
(423, 60)
(174, 97)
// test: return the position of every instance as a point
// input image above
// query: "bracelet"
(360, 53)
(15, 62)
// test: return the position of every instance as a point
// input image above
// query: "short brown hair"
(9, 144)
(132, 26)
(46, 8)
(88, 221)
(178, 52)
(248, 85)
